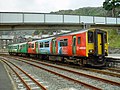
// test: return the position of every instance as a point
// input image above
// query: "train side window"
(64, 42)
(79, 40)
(47, 44)
(15, 47)
(23, 45)
(90, 37)
(32, 45)
(20, 46)
(41, 44)
(61, 43)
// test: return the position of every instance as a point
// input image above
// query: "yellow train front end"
(97, 47)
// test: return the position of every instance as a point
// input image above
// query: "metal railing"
(42, 18)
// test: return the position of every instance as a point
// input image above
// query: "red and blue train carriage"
(45, 45)
(84, 47)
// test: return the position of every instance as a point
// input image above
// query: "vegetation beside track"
(114, 38)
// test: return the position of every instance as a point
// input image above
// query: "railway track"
(105, 72)
(114, 69)
(28, 82)
(78, 73)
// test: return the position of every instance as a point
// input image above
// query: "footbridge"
(33, 21)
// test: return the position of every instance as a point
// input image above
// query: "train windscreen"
(90, 37)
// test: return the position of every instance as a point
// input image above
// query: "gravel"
(54, 82)
(84, 79)
(51, 81)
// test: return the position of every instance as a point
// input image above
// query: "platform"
(5, 82)
(117, 56)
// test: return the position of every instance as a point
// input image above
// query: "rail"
(45, 18)
(27, 86)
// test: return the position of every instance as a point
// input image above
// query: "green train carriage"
(23, 48)
(13, 49)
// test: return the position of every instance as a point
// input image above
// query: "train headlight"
(91, 51)
(105, 50)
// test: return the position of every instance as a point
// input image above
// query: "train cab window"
(90, 37)
(20, 46)
(41, 44)
(105, 37)
(29, 46)
(64, 42)
(15, 47)
(47, 44)
(79, 40)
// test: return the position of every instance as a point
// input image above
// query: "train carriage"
(73, 44)
(87, 46)
(13, 49)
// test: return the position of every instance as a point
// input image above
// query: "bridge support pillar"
(86, 26)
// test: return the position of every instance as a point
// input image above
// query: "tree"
(111, 5)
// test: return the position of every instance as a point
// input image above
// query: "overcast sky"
(45, 6)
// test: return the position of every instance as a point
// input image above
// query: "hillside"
(114, 42)
(87, 11)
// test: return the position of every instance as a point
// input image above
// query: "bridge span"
(30, 21)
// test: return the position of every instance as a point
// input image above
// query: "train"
(83, 47)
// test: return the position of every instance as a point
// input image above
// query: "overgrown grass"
(113, 39)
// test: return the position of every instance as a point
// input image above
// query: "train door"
(54, 46)
(100, 44)
(74, 45)
(37, 50)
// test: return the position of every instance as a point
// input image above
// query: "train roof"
(32, 41)
(52, 37)
(22, 43)
(46, 39)
(12, 44)
(75, 32)
(68, 33)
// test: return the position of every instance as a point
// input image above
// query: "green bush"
(113, 39)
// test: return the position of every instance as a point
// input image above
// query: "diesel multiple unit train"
(82, 47)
